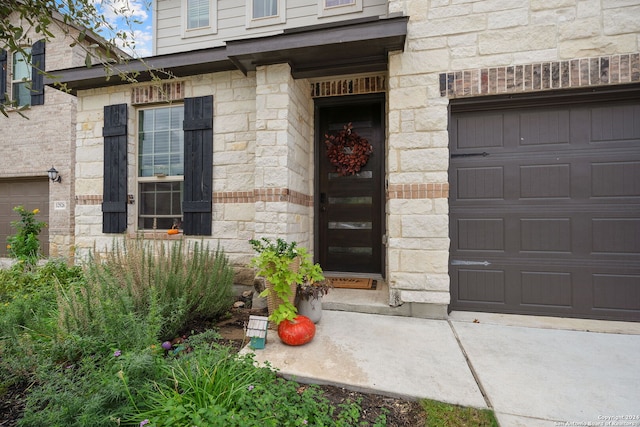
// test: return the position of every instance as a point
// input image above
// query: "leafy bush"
(27, 325)
(24, 245)
(144, 282)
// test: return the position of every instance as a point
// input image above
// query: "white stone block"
(579, 29)
(430, 159)
(538, 37)
(425, 297)
(508, 19)
(625, 20)
(411, 97)
(425, 226)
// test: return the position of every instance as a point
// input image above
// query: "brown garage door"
(545, 208)
(30, 193)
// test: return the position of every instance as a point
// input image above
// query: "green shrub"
(145, 282)
(24, 245)
(28, 329)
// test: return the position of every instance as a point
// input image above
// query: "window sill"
(157, 235)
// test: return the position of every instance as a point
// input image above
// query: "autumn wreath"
(347, 150)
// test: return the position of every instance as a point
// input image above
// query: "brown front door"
(349, 219)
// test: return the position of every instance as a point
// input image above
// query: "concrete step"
(372, 301)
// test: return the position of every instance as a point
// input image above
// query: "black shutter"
(198, 166)
(37, 70)
(3, 74)
(114, 206)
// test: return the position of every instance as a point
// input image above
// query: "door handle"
(460, 262)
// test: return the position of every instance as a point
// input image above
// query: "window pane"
(161, 118)
(332, 3)
(161, 142)
(264, 8)
(21, 93)
(160, 204)
(197, 13)
(21, 67)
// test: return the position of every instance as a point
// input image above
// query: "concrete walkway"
(532, 371)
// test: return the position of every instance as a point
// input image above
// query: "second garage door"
(30, 193)
(545, 208)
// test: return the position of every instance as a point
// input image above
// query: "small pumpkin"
(298, 331)
(173, 231)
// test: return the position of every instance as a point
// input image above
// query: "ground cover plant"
(130, 339)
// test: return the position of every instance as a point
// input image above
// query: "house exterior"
(39, 132)
(44, 138)
(502, 171)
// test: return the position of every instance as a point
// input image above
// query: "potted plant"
(283, 265)
(310, 292)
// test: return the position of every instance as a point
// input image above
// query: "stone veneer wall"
(234, 98)
(262, 160)
(284, 155)
(460, 48)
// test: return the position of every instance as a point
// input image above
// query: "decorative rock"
(238, 304)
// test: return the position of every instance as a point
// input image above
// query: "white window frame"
(156, 178)
(324, 11)
(212, 28)
(26, 81)
(280, 18)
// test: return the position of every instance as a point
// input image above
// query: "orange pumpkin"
(173, 231)
(298, 331)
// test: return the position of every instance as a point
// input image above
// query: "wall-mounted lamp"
(53, 175)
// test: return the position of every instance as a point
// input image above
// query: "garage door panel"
(548, 222)
(490, 135)
(480, 183)
(545, 181)
(616, 292)
(615, 123)
(481, 285)
(546, 288)
(615, 179)
(616, 235)
(545, 235)
(481, 234)
(555, 131)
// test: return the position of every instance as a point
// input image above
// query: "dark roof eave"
(351, 47)
(143, 70)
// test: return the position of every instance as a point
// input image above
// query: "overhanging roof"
(346, 47)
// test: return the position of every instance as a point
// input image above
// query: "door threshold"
(342, 274)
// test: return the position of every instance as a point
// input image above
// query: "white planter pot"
(311, 308)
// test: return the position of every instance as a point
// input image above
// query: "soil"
(399, 412)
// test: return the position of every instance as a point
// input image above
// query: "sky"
(115, 12)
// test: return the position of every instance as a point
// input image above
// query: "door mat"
(353, 283)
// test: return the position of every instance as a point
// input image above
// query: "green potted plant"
(310, 292)
(279, 263)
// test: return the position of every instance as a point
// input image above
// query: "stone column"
(284, 156)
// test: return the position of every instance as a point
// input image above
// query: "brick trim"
(156, 92)
(418, 191)
(258, 195)
(575, 73)
(282, 195)
(349, 86)
(89, 199)
(233, 197)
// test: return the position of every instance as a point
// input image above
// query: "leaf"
(87, 60)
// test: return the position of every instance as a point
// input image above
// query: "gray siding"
(231, 22)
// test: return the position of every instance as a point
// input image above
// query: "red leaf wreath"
(347, 150)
